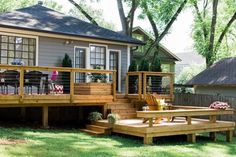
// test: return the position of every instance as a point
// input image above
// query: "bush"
(66, 62)
(144, 66)
(94, 116)
(112, 118)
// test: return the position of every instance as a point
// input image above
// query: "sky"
(178, 40)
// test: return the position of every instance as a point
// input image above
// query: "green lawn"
(72, 143)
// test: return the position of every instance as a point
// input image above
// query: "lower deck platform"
(179, 126)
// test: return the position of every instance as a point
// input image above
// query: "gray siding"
(216, 90)
(51, 52)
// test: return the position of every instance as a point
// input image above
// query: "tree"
(214, 31)
(83, 11)
(9, 5)
(161, 15)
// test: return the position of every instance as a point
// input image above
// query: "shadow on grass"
(51, 143)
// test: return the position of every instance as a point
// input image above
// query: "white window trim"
(107, 54)
(128, 57)
(27, 36)
(87, 58)
(119, 67)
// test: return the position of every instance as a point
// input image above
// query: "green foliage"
(188, 73)
(156, 65)
(133, 66)
(10, 5)
(227, 48)
(96, 77)
(94, 116)
(161, 11)
(144, 66)
(112, 118)
(66, 62)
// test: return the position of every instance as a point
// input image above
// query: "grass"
(64, 143)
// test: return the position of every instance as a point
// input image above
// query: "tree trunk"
(122, 16)
(211, 54)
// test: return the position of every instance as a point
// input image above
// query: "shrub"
(94, 116)
(112, 118)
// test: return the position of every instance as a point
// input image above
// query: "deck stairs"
(122, 106)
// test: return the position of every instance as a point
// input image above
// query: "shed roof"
(221, 73)
(42, 19)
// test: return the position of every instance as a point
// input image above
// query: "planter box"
(93, 89)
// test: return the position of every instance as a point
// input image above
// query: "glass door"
(114, 65)
(80, 63)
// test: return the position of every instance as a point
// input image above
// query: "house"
(167, 58)
(218, 79)
(40, 36)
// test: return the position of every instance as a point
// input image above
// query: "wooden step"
(98, 128)
(101, 124)
(127, 115)
(123, 100)
(117, 105)
(91, 132)
(131, 110)
(120, 96)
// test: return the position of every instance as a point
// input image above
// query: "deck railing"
(42, 80)
(141, 83)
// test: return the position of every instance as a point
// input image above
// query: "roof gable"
(40, 18)
(221, 73)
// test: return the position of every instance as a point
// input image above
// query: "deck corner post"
(229, 135)
(147, 140)
(191, 138)
(45, 116)
(72, 81)
(114, 85)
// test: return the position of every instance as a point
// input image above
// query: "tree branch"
(130, 16)
(233, 18)
(201, 20)
(174, 17)
(92, 20)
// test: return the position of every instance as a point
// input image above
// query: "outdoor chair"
(153, 104)
(33, 79)
(10, 78)
(2, 83)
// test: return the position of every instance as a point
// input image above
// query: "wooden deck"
(136, 127)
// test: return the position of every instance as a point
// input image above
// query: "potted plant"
(66, 62)
(94, 116)
(113, 118)
(98, 85)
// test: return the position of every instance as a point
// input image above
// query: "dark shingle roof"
(221, 73)
(40, 18)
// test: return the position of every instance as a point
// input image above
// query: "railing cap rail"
(48, 68)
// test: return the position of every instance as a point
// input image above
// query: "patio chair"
(2, 83)
(154, 104)
(33, 79)
(11, 78)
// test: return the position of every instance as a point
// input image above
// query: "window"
(14, 48)
(165, 67)
(97, 57)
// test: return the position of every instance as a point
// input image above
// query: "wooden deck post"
(21, 86)
(105, 106)
(45, 116)
(114, 86)
(127, 84)
(72, 83)
(140, 85)
(191, 138)
(189, 120)
(144, 85)
(147, 140)
(150, 122)
(212, 136)
(229, 135)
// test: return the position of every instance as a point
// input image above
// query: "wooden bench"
(189, 113)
